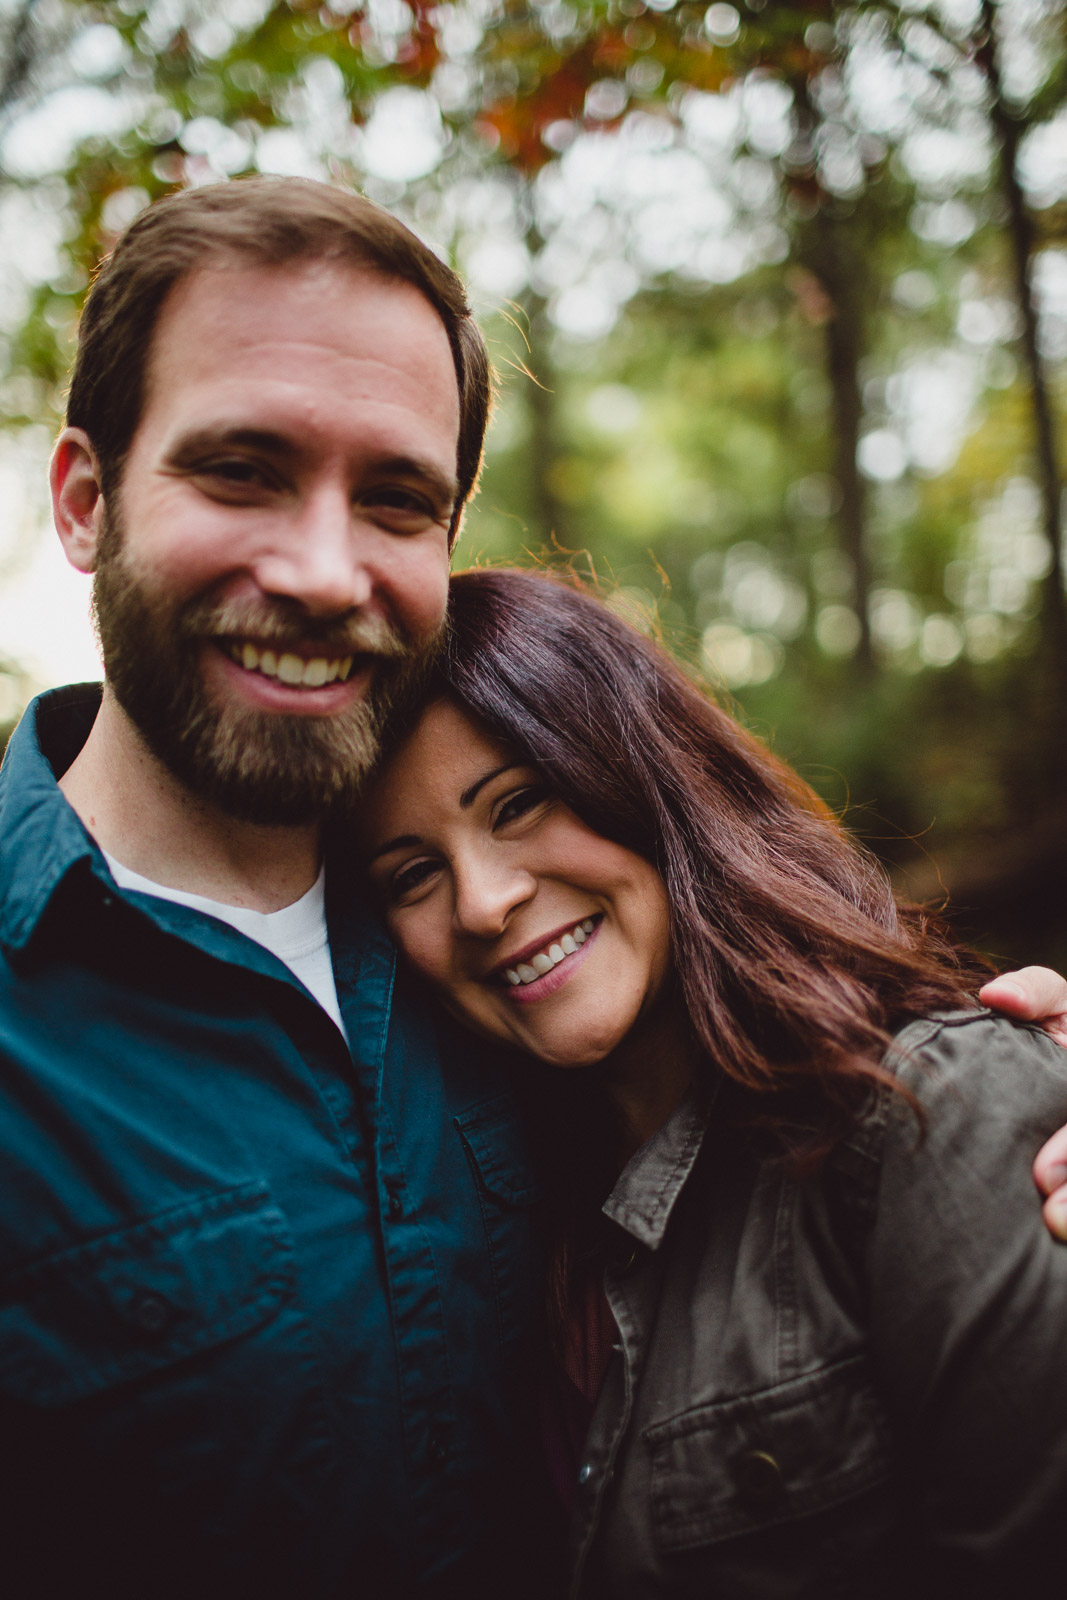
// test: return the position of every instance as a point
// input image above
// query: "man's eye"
(520, 803)
(232, 476)
(407, 499)
(414, 875)
(235, 470)
(403, 506)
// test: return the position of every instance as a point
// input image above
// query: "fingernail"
(1054, 1177)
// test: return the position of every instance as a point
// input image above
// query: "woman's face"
(536, 931)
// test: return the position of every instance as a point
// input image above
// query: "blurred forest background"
(778, 297)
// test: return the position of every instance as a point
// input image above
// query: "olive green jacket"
(853, 1385)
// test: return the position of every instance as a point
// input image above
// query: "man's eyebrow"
(468, 797)
(439, 483)
(200, 441)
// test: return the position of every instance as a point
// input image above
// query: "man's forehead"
(249, 308)
(340, 324)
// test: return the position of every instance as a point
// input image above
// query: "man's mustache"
(282, 626)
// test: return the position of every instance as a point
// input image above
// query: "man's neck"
(138, 812)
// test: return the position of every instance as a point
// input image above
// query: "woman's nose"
(487, 893)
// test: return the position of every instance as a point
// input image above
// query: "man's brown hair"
(270, 222)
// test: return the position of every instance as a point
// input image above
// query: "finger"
(1054, 1212)
(1050, 1167)
(1030, 994)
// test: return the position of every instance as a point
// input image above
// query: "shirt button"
(151, 1313)
(396, 1205)
(585, 1474)
(107, 900)
(436, 1449)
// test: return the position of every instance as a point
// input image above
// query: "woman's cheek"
(422, 943)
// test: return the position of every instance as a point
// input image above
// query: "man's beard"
(255, 765)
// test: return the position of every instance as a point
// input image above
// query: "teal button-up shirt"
(262, 1298)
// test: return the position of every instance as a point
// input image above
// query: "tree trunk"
(1006, 131)
(839, 274)
(20, 53)
(826, 250)
(544, 447)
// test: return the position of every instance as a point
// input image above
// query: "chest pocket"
(507, 1193)
(721, 1470)
(130, 1302)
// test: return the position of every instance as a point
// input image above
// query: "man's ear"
(77, 497)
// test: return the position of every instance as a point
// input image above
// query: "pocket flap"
(131, 1301)
(734, 1467)
(493, 1137)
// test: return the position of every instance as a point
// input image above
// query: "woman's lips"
(549, 982)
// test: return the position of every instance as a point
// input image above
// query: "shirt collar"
(41, 836)
(650, 1183)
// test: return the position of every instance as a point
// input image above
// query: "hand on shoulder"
(1037, 994)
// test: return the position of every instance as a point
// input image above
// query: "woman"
(791, 1155)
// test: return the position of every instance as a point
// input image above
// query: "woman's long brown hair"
(794, 960)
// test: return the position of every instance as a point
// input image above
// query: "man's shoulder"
(40, 836)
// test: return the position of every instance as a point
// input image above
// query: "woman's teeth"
(551, 956)
(289, 668)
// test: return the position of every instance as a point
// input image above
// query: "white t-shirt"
(296, 934)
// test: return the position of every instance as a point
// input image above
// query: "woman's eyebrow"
(404, 840)
(401, 842)
(468, 797)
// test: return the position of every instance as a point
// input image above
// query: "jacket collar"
(650, 1183)
(41, 836)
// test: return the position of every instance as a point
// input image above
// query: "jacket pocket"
(494, 1144)
(136, 1300)
(735, 1467)
(507, 1192)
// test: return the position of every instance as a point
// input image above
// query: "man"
(264, 1228)
(265, 1242)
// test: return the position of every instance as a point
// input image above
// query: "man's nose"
(319, 559)
(488, 890)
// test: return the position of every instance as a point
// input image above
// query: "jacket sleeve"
(969, 1301)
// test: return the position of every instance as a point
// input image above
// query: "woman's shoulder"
(981, 1094)
(966, 1056)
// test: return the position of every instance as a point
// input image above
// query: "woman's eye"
(520, 803)
(409, 878)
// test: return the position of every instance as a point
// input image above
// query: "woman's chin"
(568, 1053)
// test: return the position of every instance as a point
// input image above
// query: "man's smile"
(291, 667)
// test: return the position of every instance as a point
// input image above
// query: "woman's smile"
(535, 930)
(538, 972)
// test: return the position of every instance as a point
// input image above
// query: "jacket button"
(759, 1478)
(585, 1474)
(396, 1205)
(436, 1449)
(151, 1313)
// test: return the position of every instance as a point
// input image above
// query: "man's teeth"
(545, 960)
(291, 669)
